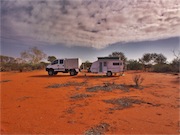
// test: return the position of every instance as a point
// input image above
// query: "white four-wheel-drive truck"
(67, 65)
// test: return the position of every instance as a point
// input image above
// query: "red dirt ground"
(29, 107)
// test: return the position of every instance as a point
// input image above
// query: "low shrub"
(99, 129)
(162, 68)
(138, 79)
(108, 87)
(175, 65)
(123, 103)
(21, 67)
(134, 65)
(80, 96)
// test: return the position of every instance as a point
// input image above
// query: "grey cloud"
(95, 23)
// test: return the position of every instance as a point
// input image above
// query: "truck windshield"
(54, 62)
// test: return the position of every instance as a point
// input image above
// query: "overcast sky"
(90, 28)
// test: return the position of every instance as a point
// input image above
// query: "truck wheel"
(51, 72)
(109, 73)
(76, 73)
(72, 72)
(55, 73)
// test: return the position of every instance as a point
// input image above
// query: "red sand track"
(29, 107)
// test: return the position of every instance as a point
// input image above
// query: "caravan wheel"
(109, 73)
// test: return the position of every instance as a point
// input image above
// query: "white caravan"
(66, 65)
(108, 65)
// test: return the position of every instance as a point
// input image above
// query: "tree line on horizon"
(31, 59)
(151, 62)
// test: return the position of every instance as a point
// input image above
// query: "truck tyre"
(109, 73)
(76, 73)
(51, 72)
(72, 72)
(55, 73)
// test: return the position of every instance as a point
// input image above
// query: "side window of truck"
(61, 62)
(55, 62)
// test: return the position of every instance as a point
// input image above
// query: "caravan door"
(105, 67)
(100, 66)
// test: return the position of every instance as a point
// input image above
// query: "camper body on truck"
(108, 65)
(67, 65)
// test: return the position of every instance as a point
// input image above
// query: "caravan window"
(105, 64)
(116, 64)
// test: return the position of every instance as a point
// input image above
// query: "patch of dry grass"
(108, 87)
(5, 81)
(24, 98)
(98, 129)
(126, 102)
(67, 84)
(122, 103)
(80, 96)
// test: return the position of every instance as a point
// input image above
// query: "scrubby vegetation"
(123, 103)
(80, 96)
(126, 102)
(108, 87)
(134, 65)
(66, 84)
(30, 60)
(86, 65)
(51, 58)
(154, 62)
(174, 66)
(151, 62)
(99, 129)
(138, 79)
(21, 67)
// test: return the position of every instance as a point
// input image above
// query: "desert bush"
(86, 65)
(11, 64)
(162, 68)
(108, 87)
(134, 65)
(80, 96)
(33, 55)
(175, 65)
(150, 58)
(51, 58)
(67, 84)
(126, 102)
(37, 66)
(21, 67)
(138, 79)
(99, 129)
(5, 81)
(123, 103)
